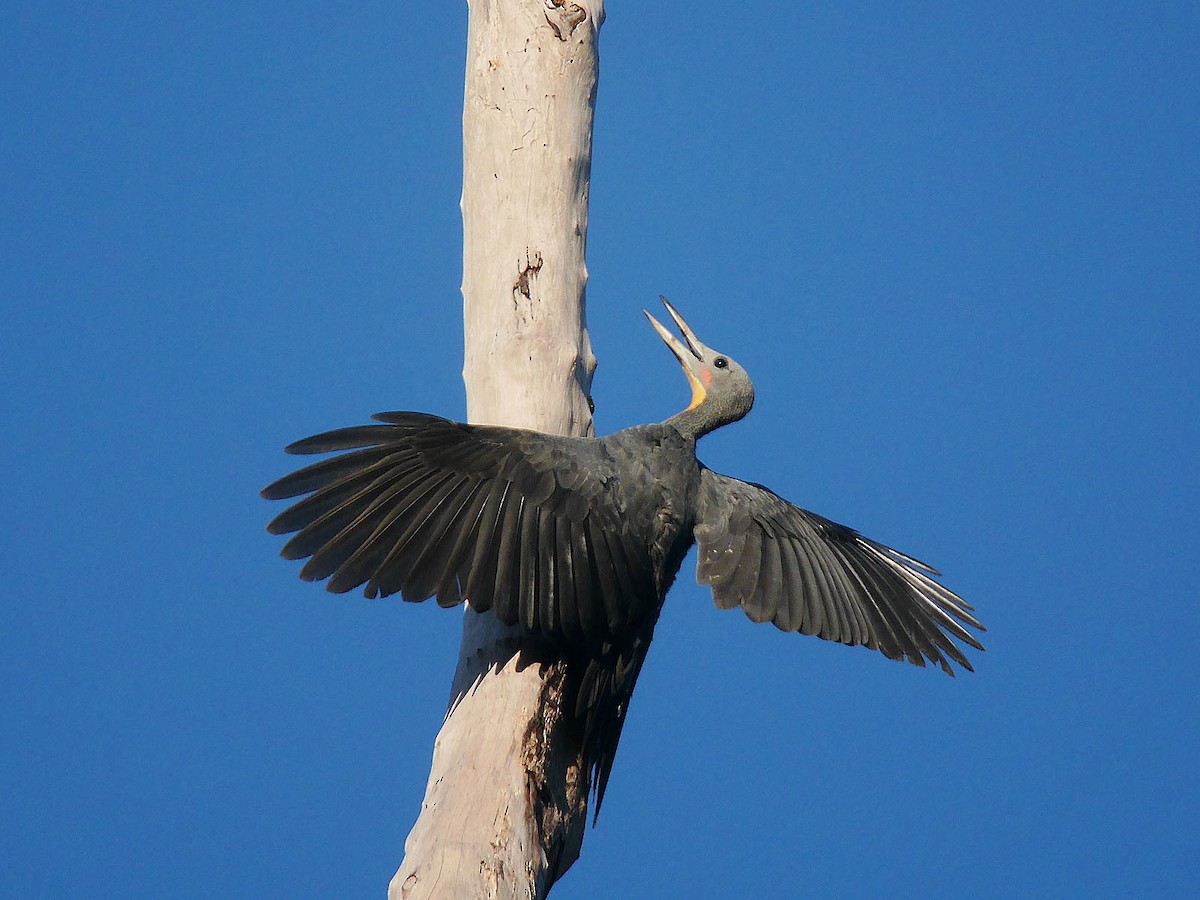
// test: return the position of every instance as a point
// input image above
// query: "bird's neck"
(695, 423)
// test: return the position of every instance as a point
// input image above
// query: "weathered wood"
(505, 807)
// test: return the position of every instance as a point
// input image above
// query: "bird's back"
(659, 480)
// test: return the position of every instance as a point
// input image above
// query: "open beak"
(690, 355)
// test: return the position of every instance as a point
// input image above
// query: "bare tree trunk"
(505, 807)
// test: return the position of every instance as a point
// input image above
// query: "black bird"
(578, 539)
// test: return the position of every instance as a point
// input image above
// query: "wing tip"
(276, 490)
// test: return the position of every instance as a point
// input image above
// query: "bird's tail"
(606, 686)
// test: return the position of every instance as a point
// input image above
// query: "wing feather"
(334, 537)
(589, 602)
(515, 521)
(761, 604)
(618, 604)
(466, 527)
(788, 616)
(412, 513)
(607, 580)
(805, 573)
(482, 571)
(547, 596)
(530, 564)
(744, 577)
(569, 599)
(434, 542)
(323, 514)
(506, 582)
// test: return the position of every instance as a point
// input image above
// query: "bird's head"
(721, 389)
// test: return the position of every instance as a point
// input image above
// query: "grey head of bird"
(721, 390)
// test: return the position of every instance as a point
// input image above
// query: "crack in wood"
(528, 272)
(569, 17)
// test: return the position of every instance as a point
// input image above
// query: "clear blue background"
(958, 249)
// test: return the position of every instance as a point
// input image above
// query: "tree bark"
(505, 807)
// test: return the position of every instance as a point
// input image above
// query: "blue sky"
(956, 247)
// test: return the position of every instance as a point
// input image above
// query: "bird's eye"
(720, 362)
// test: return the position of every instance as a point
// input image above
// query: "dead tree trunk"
(505, 807)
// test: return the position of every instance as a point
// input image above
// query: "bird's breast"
(659, 484)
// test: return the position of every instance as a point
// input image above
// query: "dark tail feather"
(602, 702)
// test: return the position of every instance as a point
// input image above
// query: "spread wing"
(802, 572)
(526, 524)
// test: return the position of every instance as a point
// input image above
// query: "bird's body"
(577, 540)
